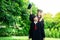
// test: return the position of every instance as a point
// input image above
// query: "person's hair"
(39, 10)
(34, 16)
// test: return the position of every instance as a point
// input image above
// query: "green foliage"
(52, 25)
(14, 15)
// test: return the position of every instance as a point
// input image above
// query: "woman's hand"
(40, 19)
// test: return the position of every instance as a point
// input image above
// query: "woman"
(39, 33)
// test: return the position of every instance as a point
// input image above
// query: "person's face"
(39, 13)
(36, 19)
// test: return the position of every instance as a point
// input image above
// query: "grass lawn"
(23, 38)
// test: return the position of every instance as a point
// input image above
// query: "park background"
(14, 21)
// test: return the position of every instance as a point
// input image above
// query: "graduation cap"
(29, 6)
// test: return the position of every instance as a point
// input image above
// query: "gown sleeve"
(43, 33)
(31, 31)
(31, 17)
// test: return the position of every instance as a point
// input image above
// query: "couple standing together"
(36, 31)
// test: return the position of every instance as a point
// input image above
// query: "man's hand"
(31, 10)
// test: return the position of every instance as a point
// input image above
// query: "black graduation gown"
(30, 30)
(39, 33)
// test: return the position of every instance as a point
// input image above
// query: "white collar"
(35, 22)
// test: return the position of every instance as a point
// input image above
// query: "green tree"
(15, 15)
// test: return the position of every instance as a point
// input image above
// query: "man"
(39, 33)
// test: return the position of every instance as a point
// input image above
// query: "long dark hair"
(39, 10)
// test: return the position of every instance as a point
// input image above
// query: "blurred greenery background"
(14, 19)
